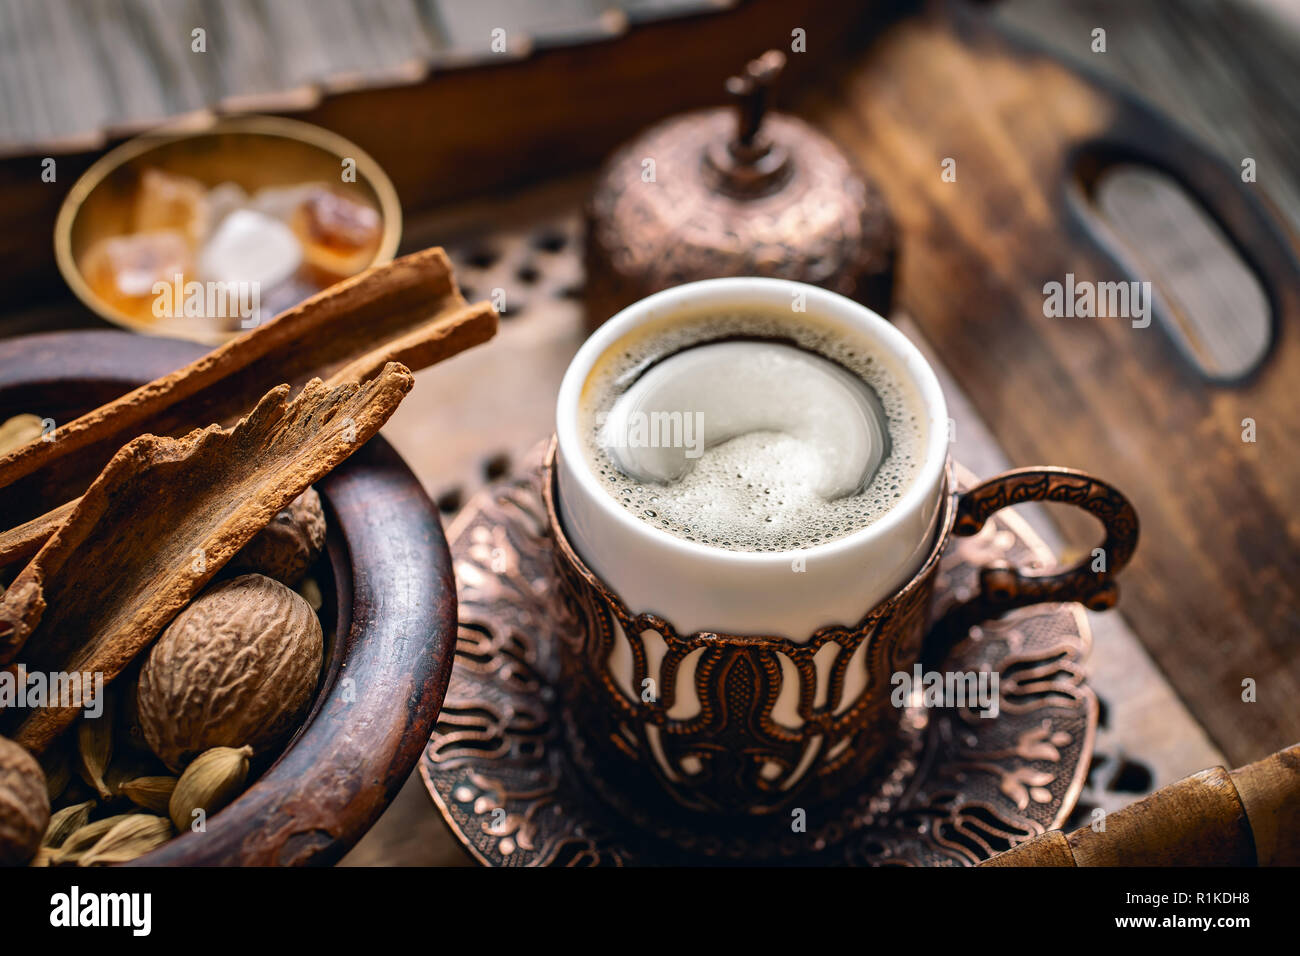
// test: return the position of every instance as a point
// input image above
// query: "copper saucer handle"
(1002, 587)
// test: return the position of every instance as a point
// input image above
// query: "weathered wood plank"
(1215, 589)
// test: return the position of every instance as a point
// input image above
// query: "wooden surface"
(1215, 587)
(1245, 108)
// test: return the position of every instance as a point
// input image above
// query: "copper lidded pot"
(744, 192)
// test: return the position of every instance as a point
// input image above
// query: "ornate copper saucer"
(956, 788)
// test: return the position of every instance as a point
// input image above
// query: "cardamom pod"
(310, 592)
(58, 772)
(83, 839)
(132, 837)
(95, 749)
(209, 783)
(130, 732)
(18, 431)
(152, 793)
(65, 822)
(44, 856)
(127, 765)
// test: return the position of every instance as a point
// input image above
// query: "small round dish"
(389, 617)
(251, 151)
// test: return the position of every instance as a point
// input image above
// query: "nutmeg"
(237, 667)
(286, 547)
(24, 805)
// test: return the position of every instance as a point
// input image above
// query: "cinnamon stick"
(159, 522)
(20, 543)
(408, 310)
(1248, 816)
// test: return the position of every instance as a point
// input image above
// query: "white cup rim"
(768, 293)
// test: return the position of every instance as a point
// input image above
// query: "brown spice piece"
(80, 841)
(214, 779)
(95, 749)
(238, 666)
(18, 431)
(24, 806)
(65, 822)
(129, 731)
(162, 519)
(408, 311)
(56, 764)
(286, 547)
(132, 837)
(152, 793)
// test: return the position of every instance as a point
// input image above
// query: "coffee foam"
(757, 491)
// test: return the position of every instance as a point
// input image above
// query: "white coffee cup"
(789, 594)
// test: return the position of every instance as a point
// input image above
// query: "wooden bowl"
(389, 618)
(252, 151)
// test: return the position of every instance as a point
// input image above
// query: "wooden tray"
(1212, 591)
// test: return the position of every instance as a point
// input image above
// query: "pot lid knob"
(751, 163)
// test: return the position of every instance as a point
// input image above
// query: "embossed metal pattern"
(732, 754)
(824, 224)
(951, 788)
